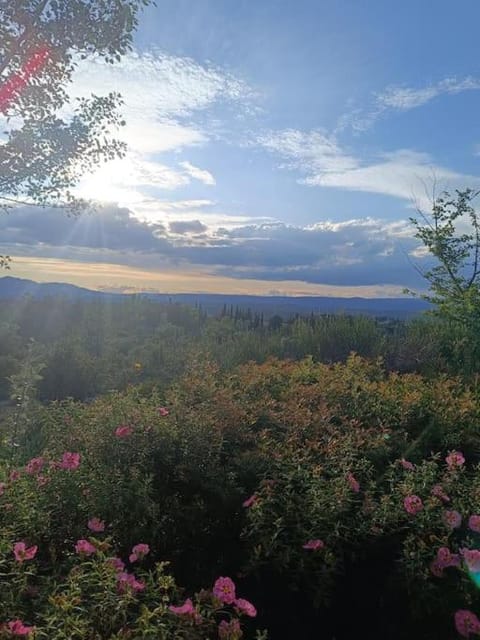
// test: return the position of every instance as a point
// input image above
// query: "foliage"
(92, 347)
(452, 236)
(327, 453)
(50, 140)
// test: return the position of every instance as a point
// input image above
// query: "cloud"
(406, 98)
(403, 173)
(171, 103)
(311, 151)
(400, 98)
(187, 226)
(123, 278)
(161, 93)
(198, 174)
(358, 252)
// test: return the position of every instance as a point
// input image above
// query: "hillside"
(12, 288)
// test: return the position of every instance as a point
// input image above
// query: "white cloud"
(198, 174)
(404, 173)
(397, 98)
(166, 100)
(314, 150)
(405, 98)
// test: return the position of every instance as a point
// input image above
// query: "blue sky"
(278, 145)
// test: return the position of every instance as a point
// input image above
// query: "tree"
(48, 140)
(451, 234)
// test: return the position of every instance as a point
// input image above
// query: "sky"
(275, 147)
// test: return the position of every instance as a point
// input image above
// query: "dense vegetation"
(321, 481)
(88, 348)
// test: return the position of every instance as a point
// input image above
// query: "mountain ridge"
(12, 288)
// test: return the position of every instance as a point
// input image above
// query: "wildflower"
(230, 630)
(246, 607)
(250, 501)
(14, 475)
(70, 461)
(455, 459)
(466, 623)
(314, 545)
(353, 483)
(84, 547)
(439, 493)
(452, 519)
(22, 552)
(139, 551)
(445, 558)
(186, 609)
(407, 465)
(35, 466)
(42, 481)
(472, 559)
(474, 523)
(413, 504)
(436, 568)
(116, 563)
(96, 525)
(125, 580)
(123, 431)
(224, 590)
(2, 488)
(17, 628)
(163, 411)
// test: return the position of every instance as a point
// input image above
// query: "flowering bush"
(93, 597)
(350, 485)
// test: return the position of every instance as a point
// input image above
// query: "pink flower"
(472, 559)
(84, 547)
(42, 481)
(22, 552)
(123, 431)
(474, 523)
(455, 459)
(445, 558)
(353, 483)
(139, 551)
(246, 607)
(96, 525)
(409, 466)
(116, 563)
(314, 545)
(163, 411)
(186, 609)
(249, 501)
(413, 505)
(14, 475)
(436, 568)
(35, 466)
(466, 623)
(439, 493)
(230, 630)
(2, 488)
(17, 628)
(70, 461)
(224, 590)
(128, 580)
(452, 519)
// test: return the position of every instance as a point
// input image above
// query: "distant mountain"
(13, 288)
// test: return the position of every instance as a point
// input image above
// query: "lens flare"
(18, 81)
